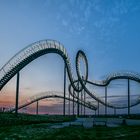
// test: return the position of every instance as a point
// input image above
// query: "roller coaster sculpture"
(52, 94)
(77, 85)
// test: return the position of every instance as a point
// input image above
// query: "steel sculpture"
(77, 85)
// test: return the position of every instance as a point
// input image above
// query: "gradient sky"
(107, 31)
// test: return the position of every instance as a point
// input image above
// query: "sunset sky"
(107, 31)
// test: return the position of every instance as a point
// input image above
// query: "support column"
(84, 102)
(17, 94)
(69, 105)
(98, 108)
(73, 102)
(128, 97)
(37, 108)
(81, 100)
(105, 100)
(64, 89)
(78, 101)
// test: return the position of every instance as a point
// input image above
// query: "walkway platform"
(91, 122)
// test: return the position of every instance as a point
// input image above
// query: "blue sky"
(107, 31)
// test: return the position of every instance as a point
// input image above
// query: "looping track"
(37, 49)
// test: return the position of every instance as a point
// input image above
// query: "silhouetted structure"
(77, 85)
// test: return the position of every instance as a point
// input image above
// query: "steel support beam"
(37, 108)
(98, 108)
(69, 105)
(78, 104)
(64, 89)
(81, 101)
(128, 97)
(105, 100)
(78, 101)
(17, 94)
(73, 102)
(84, 102)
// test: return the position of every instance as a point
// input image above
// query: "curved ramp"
(51, 94)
